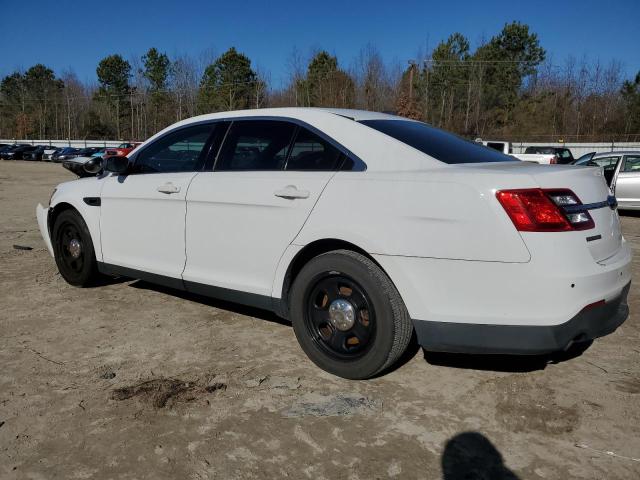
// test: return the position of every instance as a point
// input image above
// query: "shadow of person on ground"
(505, 363)
(471, 456)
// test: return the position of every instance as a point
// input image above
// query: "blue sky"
(77, 34)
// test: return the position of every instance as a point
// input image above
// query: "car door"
(142, 217)
(242, 215)
(608, 165)
(627, 186)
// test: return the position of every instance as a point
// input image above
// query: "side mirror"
(116, 164)
(94, 165)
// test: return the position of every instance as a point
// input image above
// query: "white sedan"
(359, 227)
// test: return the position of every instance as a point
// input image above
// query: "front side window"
(443, 146)
(256, 145)
(178, 151)
(605, 161)
(632, 163)
(311, 152)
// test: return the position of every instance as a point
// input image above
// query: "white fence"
(67, 143)
(577, 149)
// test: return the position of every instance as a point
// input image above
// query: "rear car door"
(627, 187)
(142, 218)
(241, 216)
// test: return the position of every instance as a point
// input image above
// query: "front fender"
(73, 194)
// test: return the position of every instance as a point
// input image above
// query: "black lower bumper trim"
(588, 324)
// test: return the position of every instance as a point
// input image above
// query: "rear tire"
(73, 250)
(348, 316)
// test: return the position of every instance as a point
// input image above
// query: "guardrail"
(67, 143)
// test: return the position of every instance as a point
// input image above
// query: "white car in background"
(361, 228)
(551, 157)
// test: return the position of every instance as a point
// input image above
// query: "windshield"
(441, 145)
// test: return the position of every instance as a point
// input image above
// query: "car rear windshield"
(441, 145)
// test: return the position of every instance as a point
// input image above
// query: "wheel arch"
(56, 210)
(308, 252)
(92, 221)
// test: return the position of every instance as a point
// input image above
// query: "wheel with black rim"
(73, 249)
(348, 316)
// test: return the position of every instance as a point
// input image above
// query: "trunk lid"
(588, 183)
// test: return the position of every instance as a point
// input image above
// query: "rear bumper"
(42, 214)
(588, 324)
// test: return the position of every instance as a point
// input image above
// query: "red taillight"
(538, 210)
(554, 160)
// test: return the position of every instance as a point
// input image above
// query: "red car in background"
(123, 149)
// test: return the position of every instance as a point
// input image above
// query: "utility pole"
(412, 67)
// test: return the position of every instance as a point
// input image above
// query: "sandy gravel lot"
(129, 380)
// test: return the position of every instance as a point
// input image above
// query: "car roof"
(617, 152)
(339, 125)
(301, 113)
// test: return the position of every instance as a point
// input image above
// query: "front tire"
(73, 250)
(347, 315)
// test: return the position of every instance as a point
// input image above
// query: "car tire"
(348, 316)
(73, 250)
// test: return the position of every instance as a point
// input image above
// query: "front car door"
(627, 187)
(608, 165)
(242, 216)
(142, 218)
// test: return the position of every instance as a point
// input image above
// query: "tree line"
(506, 87)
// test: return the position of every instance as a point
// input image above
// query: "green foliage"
(229, 83)
(325, 84)
(28, 98)
(113, 74)
(631, 96)
(156, 69)
(505, 62)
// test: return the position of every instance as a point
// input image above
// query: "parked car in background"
(65, 154)
(76, 164)
(48, 153)
(564, 154)
(100, 152)
(35, 154)
(5, 147)
(123, 149)
(622, 173)
(15, 151)
(361, 228)
(507, 149)
(626, 181)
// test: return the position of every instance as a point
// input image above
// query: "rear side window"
(178, 151)
(256, 145)
(441, 145)
(310, 152)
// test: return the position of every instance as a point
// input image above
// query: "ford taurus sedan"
(361, 228)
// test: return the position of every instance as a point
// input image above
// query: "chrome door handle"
(168, 188)
(291, 192)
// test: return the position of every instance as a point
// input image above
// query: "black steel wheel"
(340, 317)
(73, 249)
(348, 316)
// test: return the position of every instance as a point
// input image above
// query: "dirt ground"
(129, 380)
